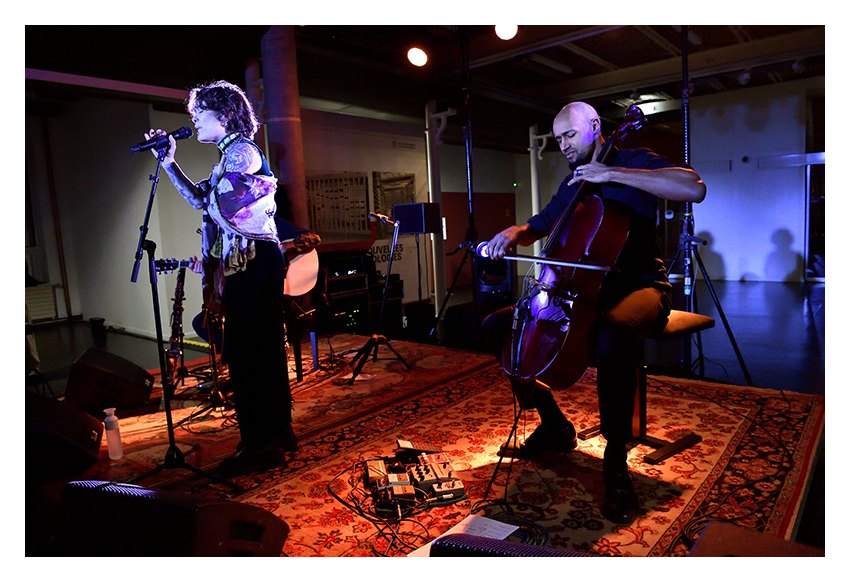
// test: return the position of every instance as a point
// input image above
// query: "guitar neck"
(171, 264)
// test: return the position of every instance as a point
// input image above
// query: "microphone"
(481, 250)
(162, 141)
(382, 218)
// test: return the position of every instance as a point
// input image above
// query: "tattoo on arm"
(186, 187)
(241, 158)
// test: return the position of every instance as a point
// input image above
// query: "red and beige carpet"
(751, 467)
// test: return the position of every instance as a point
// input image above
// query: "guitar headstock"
(170, 265)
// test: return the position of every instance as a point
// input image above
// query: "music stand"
(377, 340)
(174, 458)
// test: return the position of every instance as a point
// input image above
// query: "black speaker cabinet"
(100, 518)
(101, 380)
(418, 218)
(62, 442)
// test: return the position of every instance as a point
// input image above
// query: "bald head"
(579, 115)
(578, 131)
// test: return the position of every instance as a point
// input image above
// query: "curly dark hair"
(230, 104)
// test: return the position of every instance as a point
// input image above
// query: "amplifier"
(418, 218)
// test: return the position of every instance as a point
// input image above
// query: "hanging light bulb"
(417, 56)
(506, 31)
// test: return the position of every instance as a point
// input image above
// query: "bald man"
(635, 299)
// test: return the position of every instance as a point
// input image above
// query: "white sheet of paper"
(473, 525)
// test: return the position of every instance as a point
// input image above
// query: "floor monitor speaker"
(62, 442)
(100, 518)
(101, 380)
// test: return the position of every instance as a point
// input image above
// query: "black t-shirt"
(639, 264)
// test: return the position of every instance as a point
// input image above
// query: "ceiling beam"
(589, 56)
(650, 33)
(105, 84)
(757, 53)
(539, 45)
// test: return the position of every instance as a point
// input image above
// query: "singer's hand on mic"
(172, 145)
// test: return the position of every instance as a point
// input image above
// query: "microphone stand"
(371, 346)
(471, 234)
(688, 242)
(174, 458)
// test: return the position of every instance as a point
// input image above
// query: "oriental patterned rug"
(751, 467)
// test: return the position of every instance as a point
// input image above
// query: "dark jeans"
(255, 346)
(618, 335)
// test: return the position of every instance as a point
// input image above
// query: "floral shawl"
(239, 209)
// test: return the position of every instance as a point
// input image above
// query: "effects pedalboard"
(419, 474)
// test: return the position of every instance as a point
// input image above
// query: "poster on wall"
(389, 189)
(406, 258)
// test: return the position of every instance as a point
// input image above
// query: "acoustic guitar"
(302, 274)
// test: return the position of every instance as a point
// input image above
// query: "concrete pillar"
(254, 91)
(283, 117)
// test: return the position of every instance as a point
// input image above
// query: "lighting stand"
(688, 242)
(174, 458)
(377, 340)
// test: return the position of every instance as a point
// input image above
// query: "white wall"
(103, 191)
(753, 218)
(492, 171)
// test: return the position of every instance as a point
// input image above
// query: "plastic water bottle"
(113, 435)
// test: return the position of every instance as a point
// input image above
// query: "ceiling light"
(506, 31)
(417, 56)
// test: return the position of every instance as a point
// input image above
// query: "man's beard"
(581, 160)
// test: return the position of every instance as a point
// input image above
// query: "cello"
(550, 336)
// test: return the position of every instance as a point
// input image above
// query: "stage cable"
(692, 528)
(389, 528)
(528, 531)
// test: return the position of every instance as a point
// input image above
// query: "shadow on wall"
(713, 262)
(784, 264)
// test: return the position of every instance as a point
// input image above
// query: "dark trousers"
(618, 335)
(255, 347)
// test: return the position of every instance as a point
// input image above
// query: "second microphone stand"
(377, 340)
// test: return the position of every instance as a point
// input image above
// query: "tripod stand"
(216, 399)
(471, 239)
(377, 340)
(688, 249)
(688, 242)
(174, 458)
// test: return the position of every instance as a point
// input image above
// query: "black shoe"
(288, 440)
(621, 502)
(252, 460)
(543, 439)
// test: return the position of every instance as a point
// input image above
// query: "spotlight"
(417, 56)
(506, 31)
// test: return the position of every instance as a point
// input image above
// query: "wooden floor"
(779, 330)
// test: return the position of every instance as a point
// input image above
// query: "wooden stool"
(679, 324)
